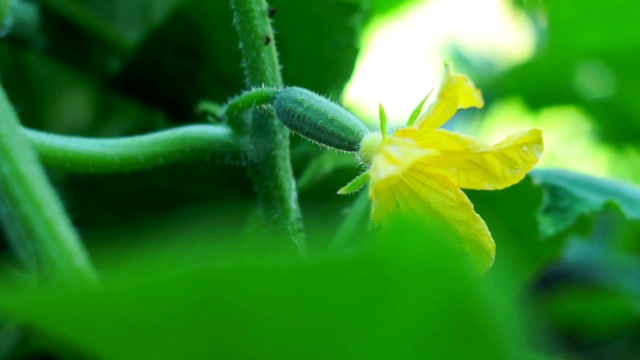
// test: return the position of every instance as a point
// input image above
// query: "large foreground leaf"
(408, 297)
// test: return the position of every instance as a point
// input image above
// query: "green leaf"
(593, 313)
(5, 8)
(176, 69)
(355, 184)
(173, 70)
(569, 195)
(322, 57)
(510, 216)
(104, 33)
(171, 54)
(409, 296)
(55, 97)
(382, 7)
(593, 278)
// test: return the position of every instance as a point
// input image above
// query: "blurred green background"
(185, 274)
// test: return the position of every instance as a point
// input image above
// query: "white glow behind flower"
(403, 53)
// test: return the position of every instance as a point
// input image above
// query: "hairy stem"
(91, 155)
(247, 101)
(270, 169)
(35, 216)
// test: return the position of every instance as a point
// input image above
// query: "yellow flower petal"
(394, 156)
(383, 203)
(430, 197)
(469, 163)
(456, 92)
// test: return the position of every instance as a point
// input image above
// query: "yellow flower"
(421, 169)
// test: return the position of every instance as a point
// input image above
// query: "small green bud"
(319, 119)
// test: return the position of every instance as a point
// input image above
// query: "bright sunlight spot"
(403, 54)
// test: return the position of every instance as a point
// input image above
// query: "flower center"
(369, 146)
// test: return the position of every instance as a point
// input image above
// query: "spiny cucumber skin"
(319, 119)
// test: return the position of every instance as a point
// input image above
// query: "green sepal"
(383, 121)
(355, 184)
(417, 110)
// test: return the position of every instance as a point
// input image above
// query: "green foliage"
(384, 301)
(322, 42)
(5, 8)
(568, 195)
(381, 7)
(579, 63)
(514, 228)
(596, 275)
(119, 68)
(157, 39)
(186, 268)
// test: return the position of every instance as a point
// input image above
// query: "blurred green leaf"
(51, 96)
(98, 36)
(183, 52)
(585, 299)
(585, 274)
(587, 56)
(132, 19)
(170, 54)
(106, 203)
(411, 296)
(318, 42)
(381, 7)
(568, 195)
(510, 215)
(590, 316)
(323, 165)
(22, 21)
(592, 296)
(6, 17)
(192, 56)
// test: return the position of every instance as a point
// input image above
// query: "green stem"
(247, 101)
(39, 220)
(91, 155)
(270, 169)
